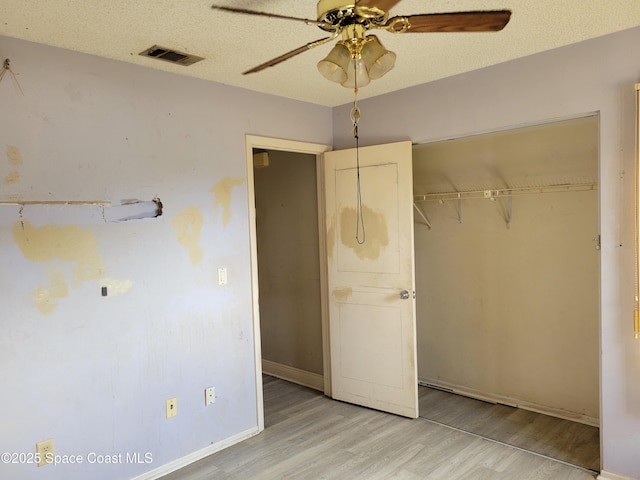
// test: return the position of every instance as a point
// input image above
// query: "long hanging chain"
(355, 118)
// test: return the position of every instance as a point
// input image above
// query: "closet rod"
(505, 192)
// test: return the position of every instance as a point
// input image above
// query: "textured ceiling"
(232, 43)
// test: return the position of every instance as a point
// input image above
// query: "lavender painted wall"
(592, 76)
(93, 372)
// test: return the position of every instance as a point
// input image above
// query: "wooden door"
(372, 326)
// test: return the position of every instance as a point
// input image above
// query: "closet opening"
(507, 281)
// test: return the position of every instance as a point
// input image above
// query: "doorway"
(259, 144)
(287, 231)
(387, 258)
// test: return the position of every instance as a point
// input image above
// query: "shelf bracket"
(506, 212)
(422, 215)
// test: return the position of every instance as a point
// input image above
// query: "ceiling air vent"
(169, 55)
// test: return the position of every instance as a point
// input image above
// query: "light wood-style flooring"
(309, 436)
(571, 442)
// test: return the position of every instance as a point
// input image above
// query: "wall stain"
(331, 237)
(377, 234)
(188, 225)
(14, 156)
(47, 298)
(67, 243)
(342, 294)
(15, 197)
(222, 192)
(74, 92)
(12, 177)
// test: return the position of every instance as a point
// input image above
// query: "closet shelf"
(494, 194)
(505, 192)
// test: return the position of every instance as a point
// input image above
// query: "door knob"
(404, 295)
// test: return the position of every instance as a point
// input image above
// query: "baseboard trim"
(512, 402)
(197, 455)
(293, 374)
(612, 476)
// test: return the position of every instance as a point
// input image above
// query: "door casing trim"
(269, 143)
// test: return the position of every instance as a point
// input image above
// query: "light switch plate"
(222, 276)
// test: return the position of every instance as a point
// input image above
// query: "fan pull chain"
(355, 118)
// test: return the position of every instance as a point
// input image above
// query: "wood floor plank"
(309, 436)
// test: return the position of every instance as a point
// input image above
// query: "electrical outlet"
(172, 407)
(45, 452)
(209, 396)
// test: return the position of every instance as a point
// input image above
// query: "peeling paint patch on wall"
(188, 225)
(52, 242)
(222, 192)
(67, 243)
(14, 156)
(12, 177)
(377, 233)
(47, 298)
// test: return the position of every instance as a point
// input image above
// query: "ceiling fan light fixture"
(335, 66)
(357, 75)
(377, 59)
(355, 61)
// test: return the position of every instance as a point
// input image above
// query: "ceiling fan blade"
(384, 5)
(265, 14)
(491, 21)
(287, 55)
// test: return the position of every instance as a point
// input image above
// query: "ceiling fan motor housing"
(338, 13)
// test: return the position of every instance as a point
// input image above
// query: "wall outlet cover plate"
(45, 452)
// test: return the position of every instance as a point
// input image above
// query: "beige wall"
(288, 261)
(512, 313)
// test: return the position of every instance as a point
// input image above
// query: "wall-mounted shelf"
(493, 195)
(54, 202)
(504, 192)
(79, 211)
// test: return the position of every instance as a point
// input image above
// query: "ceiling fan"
(357, 58)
